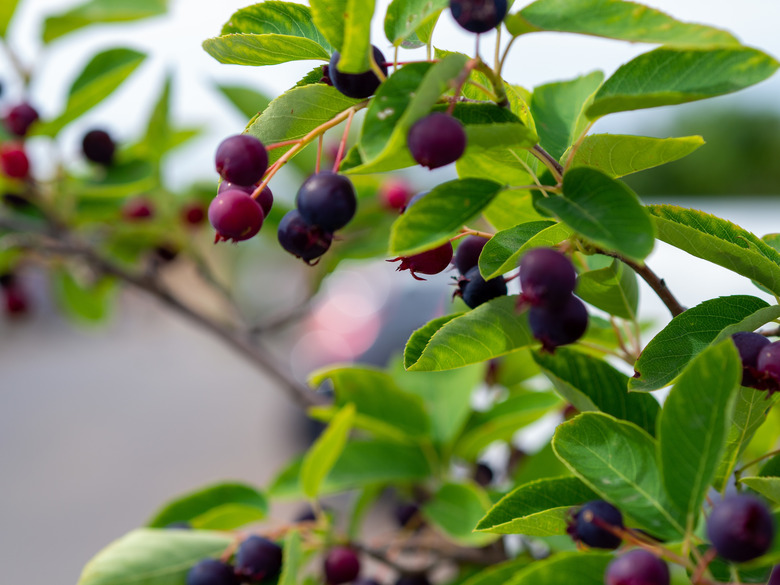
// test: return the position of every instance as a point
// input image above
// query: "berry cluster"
(472, 288)
(257, 558)
(14, 162)
(760, 361)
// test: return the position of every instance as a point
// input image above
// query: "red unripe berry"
(637, 567)
(16, 303)
(341, 566)
(394, 194)
(436, 140)
(235, 216)
(193, 213)
(138, 209)
(265, 198)
(241, 159)
(19, 119)
(13, 161)
(428, 262)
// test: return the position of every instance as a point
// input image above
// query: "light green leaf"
(100, 12)
(509, 207)
(7, 10)
(455, 509)
(559, 569)
(498, 574)
(769, 487)
(84, 303)
(119, 180)
(259, 50)
(329, 18)
(420, 338)
(292, 560)
(326, 450)
(503, 251)
(404, 17)
(489, 163)
(278, 18)
(665, 77)
(613, 289)
(249, 102)
(356, 48)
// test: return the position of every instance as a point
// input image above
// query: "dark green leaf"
(405, 16)
(100, 11)
(279, 18)
(613, 289)
(455, 509)
(503, 251)
(562, 568)
(510, 208)
(249, 102)
(325, 451)
(420, 338)
(259, 50)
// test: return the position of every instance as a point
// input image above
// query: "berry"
(356, 85)
(241, 159)
(193, 213)
(341, 565)
(98, 147)
(436, 140)
(19, 119)
(307, 242)
(467, 254)
(740, 528)
(555, 326)
(428, 262)
(478, 16)
(17, 202)
(258, 558)
(483, 475)
(137, 209)
(475, 290)
(547, 277)
(16, 303)
(327, 200)
(235, 216)
(13, 161)
(211, 572)
(749, 345)
(394, 194)
(408, 514)
(768, 361)
(265, 199)
(413, 579)
(589, 525)
(7, 280)
(637, 567)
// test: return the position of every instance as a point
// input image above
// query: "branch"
(555, 167)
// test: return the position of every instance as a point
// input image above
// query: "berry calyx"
(467, 253)
(356, 85)
(436, 140)
(258, 558)
(235, 216)
(241, 159)
(394, 194)
(300, 238)
(556, 326)
(478, 16)
(211, 572)
(19, 119)
(749, 345)
(590, 525)
(13, 161)
(265, 198)
(327, 200)
(99, 147)
(637, 567)
(138, 209)
(341, 566)
(768, 362)
(475, 290)
(428, 262)
(547, 277)
(740, 528)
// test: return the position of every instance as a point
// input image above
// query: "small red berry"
(138, 209)
(265, 198)
(394, 194)
(16, 303)
(235, 216)
(193, 213)
(19, 119)
(14, 161)
(428, 262)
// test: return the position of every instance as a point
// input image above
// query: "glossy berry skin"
(241, 159)
(749, 345)
(327, 200)
(258, 558)
(467, 253)
(356, 85)
(99, 147)
(341, 566)
(13, 161)
(300, 238)
(585, 525)
(428, 262)
(547, 277)
(740, 528)
(235, 216)
(394, 195)
(138, 209)
(556, 326)
(478, 16)
(436, 140)
(265, 199)
(19, 119)
(637, 567)
(475, 290)
(212, 572)
(768, 361)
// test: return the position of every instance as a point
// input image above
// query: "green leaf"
(100, 12)
(491, 330)
(769, 487)
(120, 180)
(489, 163)
(562, 568)
(326, 450)
(613, 289)
(435, 218)
(279, 18)
(84, 303)
(510, 207)
(718, 241)
(691, 332)
(502, 252)
(618, 155)
(455, 509)
(665, 77)
(249, 102)
(293, 559)
(356, 48)
(153, 557)
(694, 424)
(195, 506)
(592, 384)
(498, 574)
(615, 19)
(604, 211)
(329, 18)
(404, 17)
(420, 338)
(538, 508)
(558, 109)
(259, 50)
(617, 460)
(7, 10)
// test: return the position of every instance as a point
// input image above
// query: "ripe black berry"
(98, 147)
(467, 253)
(258, 558)
(327, 200)
(637, 567)
(302, 239)
(768, 362)
(413, 579)
(556, 326)
(740, 528)
(211, 572)
(13, 161)
(138, 209)
(341, 566)
(436, 140)
(241, 159)
(547, 277)
(428, 262)
(235, 216)
(478, 16)
(19, 119)
(749, 346)
(356, 85)
(590, 525)
(475, 290)
(265, 198)
(408, 514)
(483, 474)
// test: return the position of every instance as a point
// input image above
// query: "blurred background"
(99, 425)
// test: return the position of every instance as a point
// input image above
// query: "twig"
(555, 167)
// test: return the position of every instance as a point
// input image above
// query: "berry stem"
(500, 67)
(502, 100)
(281, 144)
(319, 154)
(466, 231)
(701, 567)
(343, 143)
(741, 470)
(497, 54)
(460, 81)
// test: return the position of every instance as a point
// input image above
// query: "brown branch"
(549, 161)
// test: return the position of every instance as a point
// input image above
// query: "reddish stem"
(343, 143)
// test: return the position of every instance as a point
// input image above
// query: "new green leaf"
(502, 252)
(326, 450)
(405, 16)
(259, 50)
(613, 289)
(278, 18)
(564, 568)
(455, 509)
(97, 12)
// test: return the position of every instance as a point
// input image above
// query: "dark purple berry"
(556, 326)
(98, 147)
(740, 528)
(327, 200)
(413, 579)
(637, 567)
(307, 242)
(212, 572)
(408, 514)
(341, 566)
(467, 253)
(258, 558)
(475, 290)
(19, 119)
(13, 161)
(590, 525)
(356, 85)
(768, 362)
(265, 198)
(235, 216)
(436, 140)
(478, 16)
(428, 262)
(241, 159)
(547, 277)
(749, 345)
(483, 475)
(138, 209)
